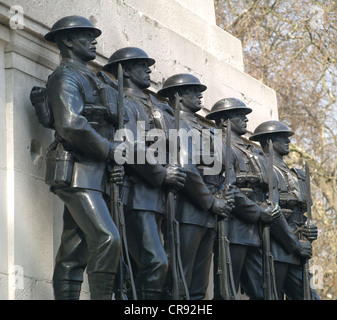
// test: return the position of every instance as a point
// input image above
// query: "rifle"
(124, 273)
(224, 267)
(305, 267)
(269, 285)
(179, 290)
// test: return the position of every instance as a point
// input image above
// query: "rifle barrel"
(120, 97)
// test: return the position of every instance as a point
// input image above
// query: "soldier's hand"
(310, 231)
(230, 197)
(117, 175)
(175, 177)
(117, 151)
(304, 250)
(221, 208)
(269, 212)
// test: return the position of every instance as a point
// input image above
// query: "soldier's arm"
(284, 235)
(196, 189)
(64, 94)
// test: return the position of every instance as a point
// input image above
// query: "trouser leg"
(293, 287)
(252, 274)
(71, 260)
(196, 246)
(238, 255)
(90, 213)
(147, 250)
(281, 271)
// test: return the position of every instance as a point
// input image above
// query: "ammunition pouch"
(288, 203)
(99, 119)
(255, 194)
(59, 168)
(248, 178)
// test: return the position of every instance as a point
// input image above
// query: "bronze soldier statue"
(197, 208)
(293, 202)
(145, 184)
(251, 207)
(84, 119)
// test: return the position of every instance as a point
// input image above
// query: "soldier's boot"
(101, 285)
(67, 289)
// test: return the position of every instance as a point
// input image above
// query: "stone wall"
(180, 35)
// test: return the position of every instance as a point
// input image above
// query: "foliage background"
(291, 47)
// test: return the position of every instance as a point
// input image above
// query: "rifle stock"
(307, 292)
(224, 268)
(179, 289)
(124, 273)
(268, 265)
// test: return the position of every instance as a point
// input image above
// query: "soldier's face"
(239, 121)
(191, 99)
(139, 73)
(83, 44)
(281, 144)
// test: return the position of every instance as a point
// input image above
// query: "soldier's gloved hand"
(230, 197)
(269, 212)
(117, 175)
(304, 250)
(310, 231)
(175, 176)
(221, 208)
(117, 152)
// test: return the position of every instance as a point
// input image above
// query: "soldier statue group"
(150, 229)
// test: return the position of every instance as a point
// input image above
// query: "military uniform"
(144, 191)
(197, 221)
(76, 172)
(145, 201)
(196, 218)
(293, 202)
(245, 224)
(251, 185)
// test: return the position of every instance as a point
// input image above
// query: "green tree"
(291, 47)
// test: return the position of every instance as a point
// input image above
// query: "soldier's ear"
(126, 71)
(67, 41)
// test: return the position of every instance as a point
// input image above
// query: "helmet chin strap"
(237, 128)
(79, 45)
(278, 147)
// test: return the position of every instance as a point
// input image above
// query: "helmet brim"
(50, 36)
(164, 91)
(258, 136)
(110, 66)
(215, 114)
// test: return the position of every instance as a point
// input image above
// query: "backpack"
(39, 99)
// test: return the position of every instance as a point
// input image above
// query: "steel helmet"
(71, 23)
(180, 80)
(125, 54)
(270, 127)
(227, 104)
